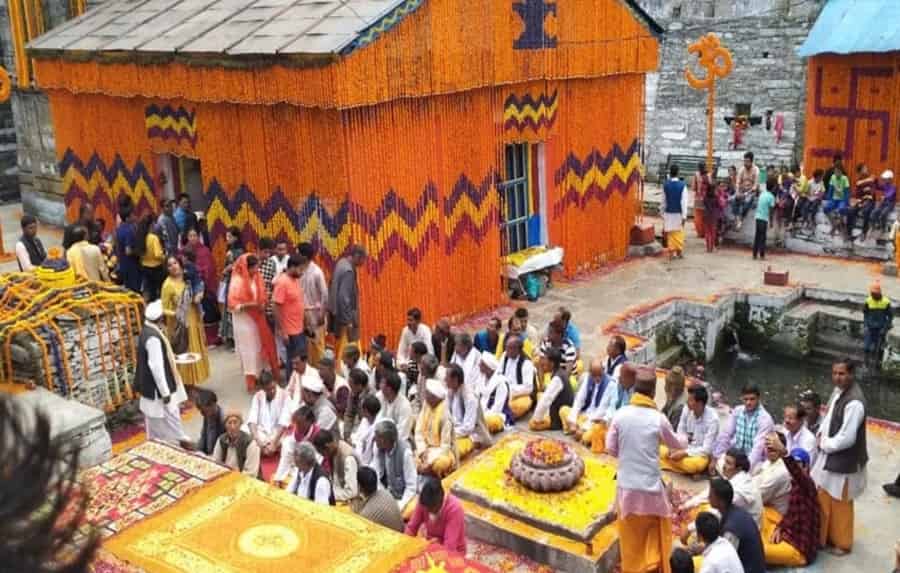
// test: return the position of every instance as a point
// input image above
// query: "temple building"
(441, 135)
(853, 85)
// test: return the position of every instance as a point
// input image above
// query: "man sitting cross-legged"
(394, 463)
(494, 394)
(581, 418)
(547, 413)
(435, 446)
(519, 370)
(267, 407)
(699, 425)
(469, 428)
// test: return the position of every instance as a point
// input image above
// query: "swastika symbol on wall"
(852, 113)
(533, 13)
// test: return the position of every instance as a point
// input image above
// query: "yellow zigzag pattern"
(602, 180)
(167, 122)
(98, 184)
(465, 206)
(529, 111)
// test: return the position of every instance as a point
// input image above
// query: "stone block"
(889, 269)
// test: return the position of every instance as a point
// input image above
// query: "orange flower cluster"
(547, 452)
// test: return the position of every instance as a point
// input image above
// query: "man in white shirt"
(469, 428)
(520, 372)
(585, 410)
(158, 380)
(469, 359)
(309, 480)
(30, 252)
(315, 302)
(773, 479)
(267, 407)
(699, 425)
(414, 331)
(796, 432)
(395, 406)
(615, 356)
(312, 393)
(840, 468)
(352, 358)
(719, 555)
(616, 397)
(300, 370)
(281, 256)
(363, 437)
(494, 393)
(736, 469)
(394, 463)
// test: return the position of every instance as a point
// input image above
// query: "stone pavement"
(597, 299)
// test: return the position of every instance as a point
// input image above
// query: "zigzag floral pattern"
(381, 26)
(597, 176)
(100, 185)
(471, 209)
(168, 123)
(528, 113)
(395, 227)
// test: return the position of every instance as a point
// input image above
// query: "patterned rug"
(436, 559)
(141, 482)
(241, 525)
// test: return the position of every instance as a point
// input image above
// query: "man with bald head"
(642, 507)
(585, 412)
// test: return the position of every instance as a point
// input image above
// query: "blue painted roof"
(853, 26)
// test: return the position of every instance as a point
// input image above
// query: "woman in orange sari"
(253, 340)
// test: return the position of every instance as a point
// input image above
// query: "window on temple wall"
(676, 12)
(742, 109)
(176, 175)
(515, 196)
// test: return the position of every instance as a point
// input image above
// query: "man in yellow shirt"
(85, 258)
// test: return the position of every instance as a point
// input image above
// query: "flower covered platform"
(567, 530)
(159, 509)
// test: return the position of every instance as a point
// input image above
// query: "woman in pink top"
(442, 515)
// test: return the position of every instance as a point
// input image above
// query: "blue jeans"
(872, 340)
(881, 214)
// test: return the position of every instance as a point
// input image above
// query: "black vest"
(36, 252)
(143, 376)
(396, 482)
(243, 442)
(310, 492)
(854, 458)
(565, 398)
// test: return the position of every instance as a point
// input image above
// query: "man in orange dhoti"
(642, 506)
(840, 467)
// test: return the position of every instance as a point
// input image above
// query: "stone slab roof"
(217, 27)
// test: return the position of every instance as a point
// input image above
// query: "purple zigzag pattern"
(603, 163)
(178, 114)
(100, 197)
(171, 133)
(519, 105)
(852, 113)
(411, 216)
(478, 195)
(265, 211)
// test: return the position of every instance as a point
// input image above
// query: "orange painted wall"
(413, 180)
(445, 46)
(853, 107)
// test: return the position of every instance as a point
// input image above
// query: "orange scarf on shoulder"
(241, 291)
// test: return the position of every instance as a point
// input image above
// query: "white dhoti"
(166, 429)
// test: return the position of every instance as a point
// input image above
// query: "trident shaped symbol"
(716, 59)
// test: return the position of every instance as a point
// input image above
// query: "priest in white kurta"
(469, 359)
(267, 407)
(494, 393)
(158, 380)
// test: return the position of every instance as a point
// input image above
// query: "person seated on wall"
(888, 200)
(746, 430)
(556, 339)
(302, 429)
(469, 428)
(236, 449)
(267, 408)
(585, 412)
(559, 394)
(394, 463)
(308, 479)
(862, 202)
(469, 359)
(339, 460)
(791, 539)
(676, 397)
(375, 503)
(772, 478)
(414, 331)
(700, 425)
(435, 447)
(616, 397)
(838, 196)
(514, 328)
(519, 370)
(490, 338)
(494, 394)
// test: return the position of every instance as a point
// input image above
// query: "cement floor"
(597, 299)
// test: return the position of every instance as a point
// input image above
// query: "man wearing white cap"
(435, 447)
(494, 393)
(158, 381)
(312, 392)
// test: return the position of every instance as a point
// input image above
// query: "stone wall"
(762, 36)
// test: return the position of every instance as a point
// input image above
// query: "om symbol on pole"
(716, 59)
